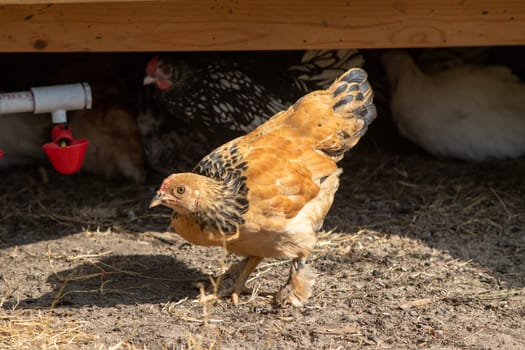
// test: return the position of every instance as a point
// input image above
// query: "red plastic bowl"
(67, 160)
(1, 154)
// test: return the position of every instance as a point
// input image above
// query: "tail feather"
(331, 121)
(353, 98)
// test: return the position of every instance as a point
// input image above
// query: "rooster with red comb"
(199, 101)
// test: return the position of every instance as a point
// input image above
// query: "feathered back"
(283, 162)
(332, 120)
(319, 68)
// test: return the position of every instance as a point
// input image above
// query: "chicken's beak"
(156, 200)
(148, 79)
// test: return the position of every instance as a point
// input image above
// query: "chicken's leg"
(299, 286)
(239, 274)
(250, 263)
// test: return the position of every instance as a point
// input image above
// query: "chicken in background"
(199, 101)
(115, 148)
(266, 194)
(466, 112)
(433, 60)
(21, 138)
(430, 60)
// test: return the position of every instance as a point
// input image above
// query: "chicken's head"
(159, 73)
(185, 193)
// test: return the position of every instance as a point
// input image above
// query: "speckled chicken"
(466, 112)
(199, 101)
(266, 194)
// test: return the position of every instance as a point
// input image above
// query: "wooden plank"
(32, 2)
(258, 25)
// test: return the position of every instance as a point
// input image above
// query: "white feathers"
(465, 112)
(21, 138)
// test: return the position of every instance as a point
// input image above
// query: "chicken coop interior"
(435, 183)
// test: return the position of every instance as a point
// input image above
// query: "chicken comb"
(152, 65)
(165, 184)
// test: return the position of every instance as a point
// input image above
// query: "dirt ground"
(417, 253)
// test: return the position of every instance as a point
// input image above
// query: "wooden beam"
(32, 2)
(68, 25)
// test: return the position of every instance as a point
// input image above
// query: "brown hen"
(266, 194)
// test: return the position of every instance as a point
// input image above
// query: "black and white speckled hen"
(199, 101)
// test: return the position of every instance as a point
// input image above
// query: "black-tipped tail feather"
(354, 98)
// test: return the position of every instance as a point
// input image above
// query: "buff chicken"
(266, 194)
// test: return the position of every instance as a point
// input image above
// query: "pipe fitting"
(48, 99)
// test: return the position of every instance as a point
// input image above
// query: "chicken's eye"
(166, 69)
(180, 189)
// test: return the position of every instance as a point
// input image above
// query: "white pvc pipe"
(48, 99)
(16, 102)
(59, 116)
(67, 97)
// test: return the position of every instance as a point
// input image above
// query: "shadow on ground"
(120, 280)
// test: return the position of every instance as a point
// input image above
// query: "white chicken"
(466, 112)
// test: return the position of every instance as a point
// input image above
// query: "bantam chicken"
(465, 112)
(200, 101)
(266, 194)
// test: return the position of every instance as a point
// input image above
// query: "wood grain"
(256, 25)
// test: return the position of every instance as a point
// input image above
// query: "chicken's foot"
(299, 286)
(238, 273)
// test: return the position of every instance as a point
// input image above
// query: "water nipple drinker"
(65, 152)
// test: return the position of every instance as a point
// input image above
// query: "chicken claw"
(299, 286)
(232, 282)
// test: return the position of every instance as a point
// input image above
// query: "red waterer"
(65, 153)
